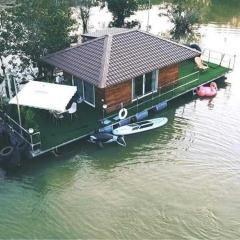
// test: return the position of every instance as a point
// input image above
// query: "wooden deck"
(87, 119)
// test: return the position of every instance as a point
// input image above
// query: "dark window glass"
(138, 86)
(148, 82)
(78, 83)
(89, 93)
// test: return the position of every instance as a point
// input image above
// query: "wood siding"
(168, 75)
(99, 95)
(122, 93)
(115, 95)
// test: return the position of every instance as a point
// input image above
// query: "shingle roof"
(115, 58)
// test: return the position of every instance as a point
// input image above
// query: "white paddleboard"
(140, 126)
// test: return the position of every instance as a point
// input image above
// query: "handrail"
(222, 59)
(31, 137)
(160, 88)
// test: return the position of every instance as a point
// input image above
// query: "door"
(89, 93)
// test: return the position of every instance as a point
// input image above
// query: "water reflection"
(179, 182)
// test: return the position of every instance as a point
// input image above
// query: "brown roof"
(115, 58)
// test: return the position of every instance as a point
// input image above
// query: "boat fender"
(122, 113)
(6, 153)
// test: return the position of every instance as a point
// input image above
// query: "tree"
(83, 7)
(120, 10)
(10, 32)
(185, 15)
(45, 28)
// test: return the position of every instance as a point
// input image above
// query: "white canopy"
(46, 96)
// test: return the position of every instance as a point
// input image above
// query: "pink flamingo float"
(210, 91)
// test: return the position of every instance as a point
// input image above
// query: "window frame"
(143, 91)
(83, 92)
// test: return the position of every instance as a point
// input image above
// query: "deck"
(86, 120)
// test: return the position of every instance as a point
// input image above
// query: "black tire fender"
(6, 152)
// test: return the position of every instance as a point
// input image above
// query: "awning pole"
(18, 106)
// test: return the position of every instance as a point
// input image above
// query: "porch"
(52, 133)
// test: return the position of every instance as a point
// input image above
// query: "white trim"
(74, 79)
(135, 99)
(143, 90)
(92, 105)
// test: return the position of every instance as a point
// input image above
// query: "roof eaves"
(105, 61)
(44, 58)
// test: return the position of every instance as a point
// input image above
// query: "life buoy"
(122, 113)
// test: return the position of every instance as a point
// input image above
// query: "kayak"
(140, 126)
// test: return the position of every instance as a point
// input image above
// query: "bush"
(29, 118)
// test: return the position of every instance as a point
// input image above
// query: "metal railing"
(219, 58)
(32, 139)
(181, 85)
(165, 92)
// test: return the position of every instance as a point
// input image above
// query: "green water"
(178, 182)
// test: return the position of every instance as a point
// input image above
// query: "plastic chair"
(200, 64)
(72, 109)
(58, 116)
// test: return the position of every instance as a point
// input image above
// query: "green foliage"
(29, 118)
(83, 7)
(185, 15)
(38, 27)
(120, 10)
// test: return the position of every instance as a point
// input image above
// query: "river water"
(178, 182)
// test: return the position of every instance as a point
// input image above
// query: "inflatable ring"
(122, 113)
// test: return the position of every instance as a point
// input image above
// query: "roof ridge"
(167, 40)
(105, 60)
(70, 48)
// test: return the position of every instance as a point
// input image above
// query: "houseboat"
(114, 77)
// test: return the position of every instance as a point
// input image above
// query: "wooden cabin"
(116, 67)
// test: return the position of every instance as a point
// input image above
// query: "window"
(89, 93)
(85, 90)
(79, 84)
(144, 85)
(138, 86)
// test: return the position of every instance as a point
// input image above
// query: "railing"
(165, 92)
(32, 139)
(219, 58)
(184, 84)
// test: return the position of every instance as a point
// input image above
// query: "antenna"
(149, 6)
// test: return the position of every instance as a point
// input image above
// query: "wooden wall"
(122, 93)
(115, 95)
(168, 75)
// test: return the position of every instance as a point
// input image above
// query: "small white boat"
(140, 126)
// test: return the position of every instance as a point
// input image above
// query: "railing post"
(137, 105)
(152, 98)
(31, 139)
(234, 60)
(209, 53)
